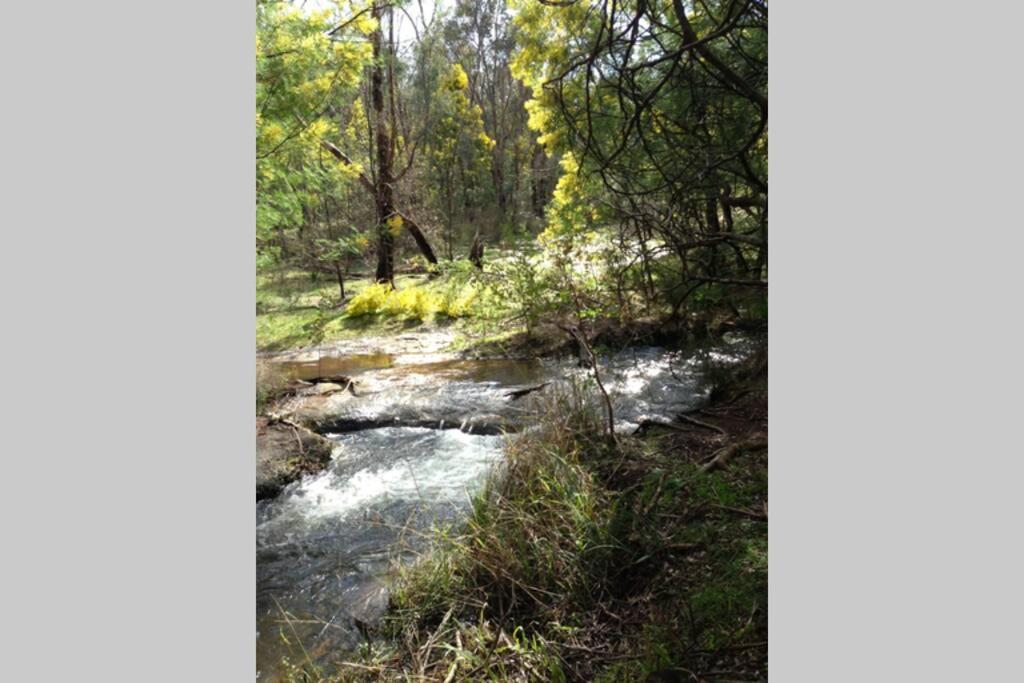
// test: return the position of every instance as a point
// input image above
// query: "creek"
(416, 441)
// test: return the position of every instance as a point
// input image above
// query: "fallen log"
(722, 457)
(644, 425)
(698, 423)
(519, 393)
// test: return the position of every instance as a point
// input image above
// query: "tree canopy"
(629, 135)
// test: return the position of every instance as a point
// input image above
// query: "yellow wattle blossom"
(458, 79)
(272, 133)
(394, 225)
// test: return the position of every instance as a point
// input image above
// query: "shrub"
(412, 302)
(369, 301)
(422, 303)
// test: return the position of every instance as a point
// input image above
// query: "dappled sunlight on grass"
(294, 310)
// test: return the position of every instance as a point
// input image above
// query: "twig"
(430, 641)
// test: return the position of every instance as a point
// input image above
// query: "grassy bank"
(487, 314)
(295, 310)
(593, 561)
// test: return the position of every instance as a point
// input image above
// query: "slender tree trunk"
(464, 184)
(337, 262)
(341, 279)
(498, 178)
(711, 213)
(451, 220)
(537, 182)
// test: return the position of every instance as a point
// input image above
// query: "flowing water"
(414, 444)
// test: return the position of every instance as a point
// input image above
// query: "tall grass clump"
(533, 554)
(535, 544)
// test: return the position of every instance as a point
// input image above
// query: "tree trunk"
(341, 279)
(476, 252)
(384, 189)
(451, 220)
(498, 178)
(537, 182)
(418, 236)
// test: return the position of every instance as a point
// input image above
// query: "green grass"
(294, 310)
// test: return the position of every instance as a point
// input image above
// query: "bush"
(369, 301)
(451, 299)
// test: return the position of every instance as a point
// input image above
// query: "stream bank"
(412, 442)
(640, 560)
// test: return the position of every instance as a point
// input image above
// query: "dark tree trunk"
(419, 237)
(384, 190)
(476, 252)
(711, 214)
(341, 279)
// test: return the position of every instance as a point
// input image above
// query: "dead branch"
(722, 457)
(519, 393)
(699, 423)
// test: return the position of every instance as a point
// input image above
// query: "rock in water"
(284, 453)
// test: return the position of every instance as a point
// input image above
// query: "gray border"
(128, 279)
(128, 332)
(894, 372)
